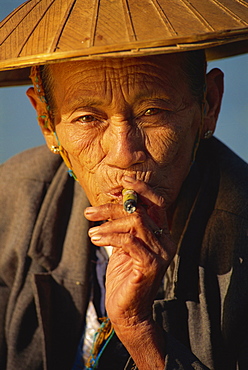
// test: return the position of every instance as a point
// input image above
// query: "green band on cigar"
(129, 200)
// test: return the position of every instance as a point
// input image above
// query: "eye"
(87, 118)
(152, 111)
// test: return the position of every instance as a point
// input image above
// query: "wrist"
(145, 343)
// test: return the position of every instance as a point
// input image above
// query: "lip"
(115, 193)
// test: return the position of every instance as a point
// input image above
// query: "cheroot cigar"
(129, 200)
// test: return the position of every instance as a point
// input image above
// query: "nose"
(123, 144)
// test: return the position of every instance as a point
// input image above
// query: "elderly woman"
(176, 283)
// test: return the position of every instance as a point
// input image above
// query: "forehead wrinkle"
(133, 77)
(123, 77)
(82, 95)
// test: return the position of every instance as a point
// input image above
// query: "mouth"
(115, 194)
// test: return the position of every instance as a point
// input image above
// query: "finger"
(155, 203)
(158, 244)
(146, 194)
(111, 212)
(105, 212)
(137, 224)
(129, 224)
(128, 243)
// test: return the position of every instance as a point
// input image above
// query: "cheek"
(83, 146)
(165, 143)
(91, 188)
(172, 146)
(85, 154)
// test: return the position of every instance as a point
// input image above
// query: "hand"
(139, 259)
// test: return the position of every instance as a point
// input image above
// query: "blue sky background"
(19, 130)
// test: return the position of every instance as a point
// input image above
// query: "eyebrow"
(78, 103)
(84, 101)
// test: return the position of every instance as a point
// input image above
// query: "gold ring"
(158, 232)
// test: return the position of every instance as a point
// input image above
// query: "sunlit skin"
(126, 117)
(131, 123)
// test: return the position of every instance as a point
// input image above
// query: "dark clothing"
(45, 265)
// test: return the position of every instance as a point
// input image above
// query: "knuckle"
(109, 210)
(130, 238)
(161, 202)
(125, 238)
(138, 219)
(109, 207)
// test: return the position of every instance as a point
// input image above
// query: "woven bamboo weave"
(45, 31)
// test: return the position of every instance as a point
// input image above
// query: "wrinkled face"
(120, 117)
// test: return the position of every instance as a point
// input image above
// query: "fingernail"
(129, 179)
(93, 230)
(89, 211)
(95, 238)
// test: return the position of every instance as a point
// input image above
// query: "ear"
(42, 116)
(215, 88)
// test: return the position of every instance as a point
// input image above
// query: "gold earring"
(208, 134)
(55, 149)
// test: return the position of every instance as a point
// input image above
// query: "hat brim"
(19, 53)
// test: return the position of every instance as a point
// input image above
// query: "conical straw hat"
(46, 31)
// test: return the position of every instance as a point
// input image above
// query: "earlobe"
(48, 129)
(214, 93)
